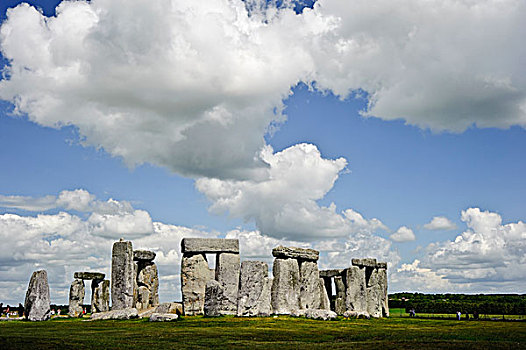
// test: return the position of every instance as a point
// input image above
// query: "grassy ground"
(264, 333)
(401, 313)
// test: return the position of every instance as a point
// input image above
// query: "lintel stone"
(209, 245)
(295, 253)
(331, 273)
(366, 262)
(89, 275)
(143, 255)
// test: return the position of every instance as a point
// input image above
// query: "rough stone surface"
(227, 274)
(148, 276)
(327, 282)
(194, 275)
(339, 305)
(310, 296)
(157, 317)
(76, 298)
(121, 314)
(356, 314)
(89, 275)
(143, 298)
(381, 265)
(169, 308)
(368, 262)
(382, 282)
(317, 314)
(355, 299)
(254, 289)
(374, 296)
(122, 275)
(37, 304)
(331, 273)
(295, 253)
(285, 286)
(144, 255)
(209, 245)
(213, 298)
(100, 296)
(325, 302)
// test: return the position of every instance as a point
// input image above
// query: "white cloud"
(440, 223)
(284, 204)
(403, 234)
(414, 278)
(28, 203)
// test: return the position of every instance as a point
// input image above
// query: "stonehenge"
(297, 287)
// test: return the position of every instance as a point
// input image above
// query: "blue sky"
(370, 139)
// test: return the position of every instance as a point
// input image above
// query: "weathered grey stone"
(135, 284)
(100, 296)
(374, 296)
(121, 314)
(76, 298)
(295, 253)
(310, 296)
(355, 299)
(327, 282)
(209, 245)
(254, 289)
(157, 317)
(318, 314)
(382, 282)
(297, 313)
(381, 265)
(339, 305)
(37, 304)
(325, 302)
(213, 298)
(367, 262)
(122, 275)
(148, 276)
(340, 286)
(144, 255)
(194, 275)
(356, 314)
(89, 275)
(227, 274)
(143, 298)
(169, 308)
(285, 286)
(331, 273)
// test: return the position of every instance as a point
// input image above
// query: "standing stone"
(325, 303)
(227, 274)
(194, 275)
(382, 281)
(122, 275)
(254, 289)
(285, 286)
(327, 282)
(100, 296)
(135, 284)
(37, 304)
(76, 298)
(143, 298)
(310, 296)
(213, 298)
(339, 301)
(148, 276)
(374, 295)
(355, 299)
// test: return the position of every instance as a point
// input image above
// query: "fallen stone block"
(295, 253)
(121, 314)
(169, 308)
(317, 314)
(209, 245)
(156, 317)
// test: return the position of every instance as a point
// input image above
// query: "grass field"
(263, 333)
(401, 313)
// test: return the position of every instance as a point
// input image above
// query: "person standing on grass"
(458, 315)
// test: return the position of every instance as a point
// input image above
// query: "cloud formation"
(403, 234)
(440, 223)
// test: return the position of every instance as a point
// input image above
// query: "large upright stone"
(77, 292)
(339, 301)
(122, 275)
(382, 281)
(37, 303)
(227, 274)
(355, 299)
(254, 289)
(194, 275)
(209, 245)
(295, 253)
(285, 286)
(148, 276)
(325, 303)
(213, 299)
(310, 296)
(100, 296)
(374, 295)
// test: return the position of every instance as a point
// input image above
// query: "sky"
(358, 128)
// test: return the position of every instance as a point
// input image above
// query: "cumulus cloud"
(440, 223)
(194, 86)
(403, 234)
(284, 204)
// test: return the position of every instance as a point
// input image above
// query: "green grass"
(399, 312)
(263, 333)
